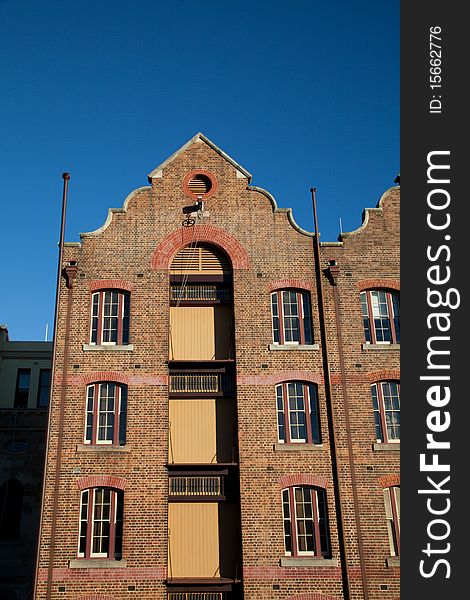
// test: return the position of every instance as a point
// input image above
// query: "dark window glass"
(22, 388)
(43, 391)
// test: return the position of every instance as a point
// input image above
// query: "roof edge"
(112, 211)
(199, 136)
(365, 215)
(289, 211)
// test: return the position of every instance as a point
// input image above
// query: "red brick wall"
(265, 249)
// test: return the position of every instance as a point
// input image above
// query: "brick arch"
(389, 480)
(114, 284)
(313, 596)
(281, 284)
(285, 376)
(374, 284)
(383, 375)
(95, 597)
(93, 481)
(97, 376)
(167, 248)
(293, 479)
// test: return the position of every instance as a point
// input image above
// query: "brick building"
(225, 412)
(24, 393)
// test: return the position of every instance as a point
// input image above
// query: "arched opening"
(203, 474)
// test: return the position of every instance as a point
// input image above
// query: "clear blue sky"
(300, 93)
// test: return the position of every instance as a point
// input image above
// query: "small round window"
(199, 183)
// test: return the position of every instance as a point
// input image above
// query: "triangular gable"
(156, 173)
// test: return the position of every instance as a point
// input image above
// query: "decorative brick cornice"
(383, 375)
(374, 284)
(110, 481)
(110, 284)
(167, 248)
(282, 284)
(287, 481)
(275, 378)
(389, 480)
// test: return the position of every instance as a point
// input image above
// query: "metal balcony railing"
(200, 293)
(196, 486)
(202, 383)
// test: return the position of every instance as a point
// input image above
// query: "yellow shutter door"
(193, 539)
(192, 431)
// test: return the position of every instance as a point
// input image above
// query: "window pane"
(308, 335)
(287, 522)
(275, 314)
(314, 414)
(280, 414)
(22, 388)
(297, 417)
(291, 316)
(43, 390)
(365, 316)
(94, 318)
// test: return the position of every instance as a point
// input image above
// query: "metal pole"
(330, 408)
(65, 177)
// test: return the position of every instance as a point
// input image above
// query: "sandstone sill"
(380, 346)
(96, 563)
(294, 347)
(386, 447)
(295, 561)
(106, 348)
(297, 447)
(101, 448)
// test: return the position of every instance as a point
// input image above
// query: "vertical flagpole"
(65, 177)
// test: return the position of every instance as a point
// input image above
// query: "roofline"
(199, 136)
(365, 215)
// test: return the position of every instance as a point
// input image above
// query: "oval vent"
(200, 258)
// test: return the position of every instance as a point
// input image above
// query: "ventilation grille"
(200, 259)
(200, 184)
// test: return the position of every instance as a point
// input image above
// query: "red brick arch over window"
(110, 481)
(280, 377)
(96, 597)
(389, 480)
(282, 284)
(383, 375)
(110, 284)
(313, 596)
(97, 376)
(378, 284)
(303, 479)
(166, 249)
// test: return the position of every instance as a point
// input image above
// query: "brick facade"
(133, 252)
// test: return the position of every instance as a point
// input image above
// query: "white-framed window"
(106, 411)
(305, 522)
(386, 405)
(298, 418)
(381, 316)
(101, 520)
(392, 513)
(110, 311)
(291, 317)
